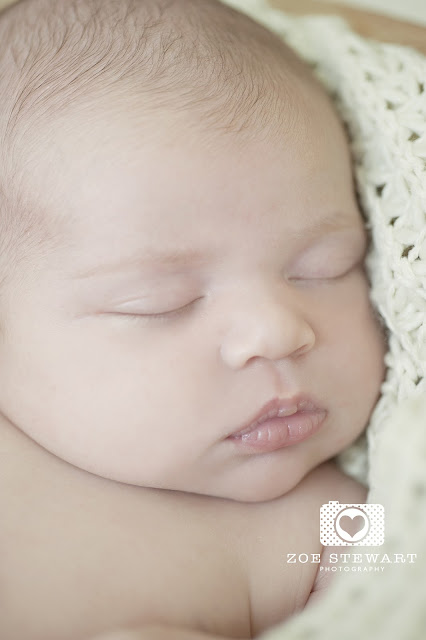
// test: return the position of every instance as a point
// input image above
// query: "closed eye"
(326, 278)
(165, 315)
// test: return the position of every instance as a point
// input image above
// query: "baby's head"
(180, 243)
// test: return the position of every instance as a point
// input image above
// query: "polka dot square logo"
(350, 525)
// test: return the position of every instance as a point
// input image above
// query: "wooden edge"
(367, 24)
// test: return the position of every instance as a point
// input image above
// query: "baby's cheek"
(369, 350)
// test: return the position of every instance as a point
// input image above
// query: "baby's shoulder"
(282, 547)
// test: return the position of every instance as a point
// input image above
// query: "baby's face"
(272, 300)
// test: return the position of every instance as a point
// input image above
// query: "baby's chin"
(260, 487)
(263, 493)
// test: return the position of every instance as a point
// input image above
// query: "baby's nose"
(264, 323)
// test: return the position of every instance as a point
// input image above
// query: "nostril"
(302, 350)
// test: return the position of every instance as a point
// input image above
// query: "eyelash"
(330, 279)
(161, 316)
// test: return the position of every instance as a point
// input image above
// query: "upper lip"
(278, 407)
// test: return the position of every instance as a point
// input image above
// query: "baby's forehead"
(107, 166)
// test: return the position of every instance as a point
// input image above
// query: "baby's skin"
(82, 555)
(124, 502)
(195, 284)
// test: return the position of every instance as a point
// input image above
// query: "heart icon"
(351, 525)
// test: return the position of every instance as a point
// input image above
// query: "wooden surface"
(367, 24)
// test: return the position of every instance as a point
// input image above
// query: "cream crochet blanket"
(380, 93)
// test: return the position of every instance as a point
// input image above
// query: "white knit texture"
(380, 92)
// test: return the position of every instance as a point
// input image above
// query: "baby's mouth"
(280, 423)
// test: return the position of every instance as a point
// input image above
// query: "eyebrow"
(334, 222)
(173, 259)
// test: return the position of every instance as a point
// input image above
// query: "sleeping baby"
(186, 334)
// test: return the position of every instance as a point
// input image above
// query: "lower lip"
(281, 432)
